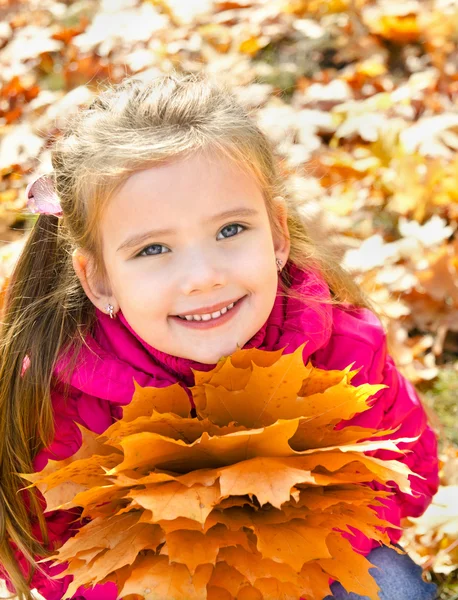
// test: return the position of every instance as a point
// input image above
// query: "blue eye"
(144, 253)
(233, 227)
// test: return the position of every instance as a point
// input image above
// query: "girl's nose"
(201, 274)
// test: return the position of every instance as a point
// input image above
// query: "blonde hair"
(130, 126)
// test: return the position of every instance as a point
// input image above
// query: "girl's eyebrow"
(139, 238)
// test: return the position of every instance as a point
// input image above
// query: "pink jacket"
(336, 336)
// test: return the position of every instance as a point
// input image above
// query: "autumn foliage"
(254, 498)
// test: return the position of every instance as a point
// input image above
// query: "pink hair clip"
(42, 197)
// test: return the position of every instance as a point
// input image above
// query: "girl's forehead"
(195, 180)
(171, 197)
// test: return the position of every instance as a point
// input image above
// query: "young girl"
(166, 240)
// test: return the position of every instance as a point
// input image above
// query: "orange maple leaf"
(248, 500)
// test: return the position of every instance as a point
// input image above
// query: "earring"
(279, 264)
(110, 309)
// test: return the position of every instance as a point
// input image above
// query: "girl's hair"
(130, 126)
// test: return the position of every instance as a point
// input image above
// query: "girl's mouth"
(213, 322)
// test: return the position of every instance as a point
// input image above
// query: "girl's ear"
(85, 270)
(282, 243)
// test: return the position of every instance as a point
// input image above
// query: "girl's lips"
(211, 322)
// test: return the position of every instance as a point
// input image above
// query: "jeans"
(398, 578)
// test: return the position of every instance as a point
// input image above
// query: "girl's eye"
(145, 253)
(232, 228)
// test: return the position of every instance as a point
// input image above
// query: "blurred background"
(359, 98)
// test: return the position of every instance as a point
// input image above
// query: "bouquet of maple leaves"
(248, 500)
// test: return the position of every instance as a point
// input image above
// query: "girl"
(166, 240)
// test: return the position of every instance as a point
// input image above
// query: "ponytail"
(43, 304)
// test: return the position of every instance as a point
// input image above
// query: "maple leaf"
(250, 499)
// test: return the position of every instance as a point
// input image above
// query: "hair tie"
(42, 198)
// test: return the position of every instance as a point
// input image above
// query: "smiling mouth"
(206, 316)
(206, 321)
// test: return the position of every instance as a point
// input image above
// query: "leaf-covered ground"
(360, 100)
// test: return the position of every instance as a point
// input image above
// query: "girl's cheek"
(259, 261)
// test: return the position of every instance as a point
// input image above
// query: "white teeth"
(208, 316)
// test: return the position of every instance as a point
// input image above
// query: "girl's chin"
(211, 355)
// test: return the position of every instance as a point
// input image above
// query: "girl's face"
(188, 238)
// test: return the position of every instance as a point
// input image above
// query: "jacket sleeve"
(61, 525)
(358, 337)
